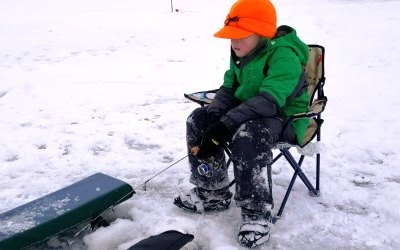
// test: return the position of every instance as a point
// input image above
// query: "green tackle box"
(79, 203)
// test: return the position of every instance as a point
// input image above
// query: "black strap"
(169, 240)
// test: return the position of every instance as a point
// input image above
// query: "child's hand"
(213, 117)
(195, 150)
(210, 143)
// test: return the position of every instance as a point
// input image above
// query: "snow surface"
(97, 86)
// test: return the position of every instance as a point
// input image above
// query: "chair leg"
(276, 158)
(298, 171)
(318, 160)
(287, 194)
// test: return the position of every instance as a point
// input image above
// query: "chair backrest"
(315, 71)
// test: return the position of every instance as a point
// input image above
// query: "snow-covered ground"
(97, 86)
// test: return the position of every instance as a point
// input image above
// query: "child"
(264, 84)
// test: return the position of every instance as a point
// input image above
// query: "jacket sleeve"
(283, 75)
(224, 99)
(262, 105)
(281, 81)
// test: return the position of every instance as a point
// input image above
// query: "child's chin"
(238, 54)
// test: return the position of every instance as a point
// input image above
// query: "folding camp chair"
(316, 79)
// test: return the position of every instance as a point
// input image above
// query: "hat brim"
(231, 32)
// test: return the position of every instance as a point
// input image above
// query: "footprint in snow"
(133, 144)
(100, 149)
(12, 158)
(395, 179)
(363, 181)
(167, 159)
(352, 207)
(66, 149)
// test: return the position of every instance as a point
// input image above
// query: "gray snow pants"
(251, 157)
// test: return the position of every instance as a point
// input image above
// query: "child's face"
(243, 46)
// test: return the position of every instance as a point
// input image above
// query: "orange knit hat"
(247, 17)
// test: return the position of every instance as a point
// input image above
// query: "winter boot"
(200, 200)
(255, 229)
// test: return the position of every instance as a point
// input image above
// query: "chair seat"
(282, 145)
(310, 149)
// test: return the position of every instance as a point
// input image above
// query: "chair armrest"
(316, 108)
(202, 97)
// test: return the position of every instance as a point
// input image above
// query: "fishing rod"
(163, 170)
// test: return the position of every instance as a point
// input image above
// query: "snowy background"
(97, 86)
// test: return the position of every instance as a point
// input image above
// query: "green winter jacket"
(273, 70)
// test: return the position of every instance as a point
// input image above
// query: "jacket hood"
(286, 37)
